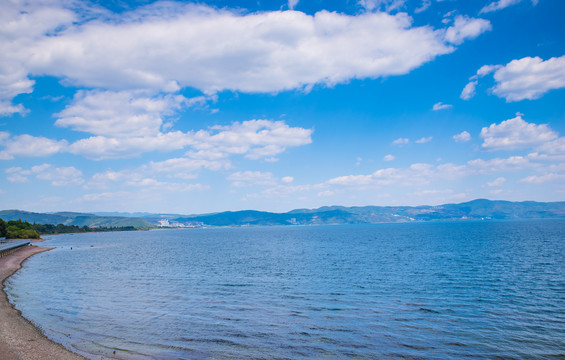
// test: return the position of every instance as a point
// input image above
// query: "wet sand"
(19, 339)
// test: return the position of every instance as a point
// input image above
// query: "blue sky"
(194, 107)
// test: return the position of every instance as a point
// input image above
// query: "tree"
(20, 230)
(3, 229)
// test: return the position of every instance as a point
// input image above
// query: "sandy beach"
(19, 339)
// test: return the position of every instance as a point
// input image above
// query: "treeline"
(18, 229)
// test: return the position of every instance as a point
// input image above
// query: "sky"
(197, 107)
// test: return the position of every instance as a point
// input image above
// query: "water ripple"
(486, 290)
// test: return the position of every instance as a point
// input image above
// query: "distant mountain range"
(473, 210)
(72, 218)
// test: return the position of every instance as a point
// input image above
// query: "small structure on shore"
(8, 247)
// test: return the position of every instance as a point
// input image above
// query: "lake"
(491, 289)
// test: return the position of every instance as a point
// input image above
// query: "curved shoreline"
(19, 338)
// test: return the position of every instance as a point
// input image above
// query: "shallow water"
(392, 291)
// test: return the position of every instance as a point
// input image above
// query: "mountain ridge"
(478, 209)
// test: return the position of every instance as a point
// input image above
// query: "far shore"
(19, 338)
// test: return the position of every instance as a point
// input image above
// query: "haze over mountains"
(473, 210)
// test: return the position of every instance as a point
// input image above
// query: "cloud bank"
(166, 46)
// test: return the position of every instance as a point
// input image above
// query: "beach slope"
(19, 339)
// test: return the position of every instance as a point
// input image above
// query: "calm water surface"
(395, 291)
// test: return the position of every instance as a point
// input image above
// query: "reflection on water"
(432, 290)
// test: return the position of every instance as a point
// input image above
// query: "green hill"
(77, 219)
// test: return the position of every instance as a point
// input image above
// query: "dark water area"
(457, 290)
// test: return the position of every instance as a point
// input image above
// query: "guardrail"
(8, 247)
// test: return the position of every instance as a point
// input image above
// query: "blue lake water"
(392, 291)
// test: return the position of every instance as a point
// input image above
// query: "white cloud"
(58, 176)
(252, 178)
(447, 17)
(497, 182)
(469, 90)
(146, 175)
(326, 193)
(514, 134)
(384, 5)
(424, 140)
(101, 147)
(462, 137)
(285, 190)
(30, 146)
(17, 174)
(433, 192)
(184, 167)
(287, 179)
(121, 195)
(6, 108)
(549, 168)
(421, 174)
(513, 163)
(416, 174)
(258, 178)
(501, 4)
(527, 78)
(255, 139)
(63, 176)
(292, 4)
(485, 70)
(418, 177)
(175, 187)
(441, 106)
(119, 114)
(223, 50)
(466, 28)
(401, 141)
(551, 177)
(22, 25)
(555, 147)
(388, 157)
(4, 135)
(219, 49)
(351, 180)
(103, 179)
(425, 5)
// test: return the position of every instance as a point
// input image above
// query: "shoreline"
(19, 338)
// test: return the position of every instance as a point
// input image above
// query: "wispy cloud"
(497, 182)
(441, 106)
(58, 176)
(292, 4)
(424, 140)
(469, 90)
(252, 178)
(466, 28)
(501, 4)
(401, 141)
